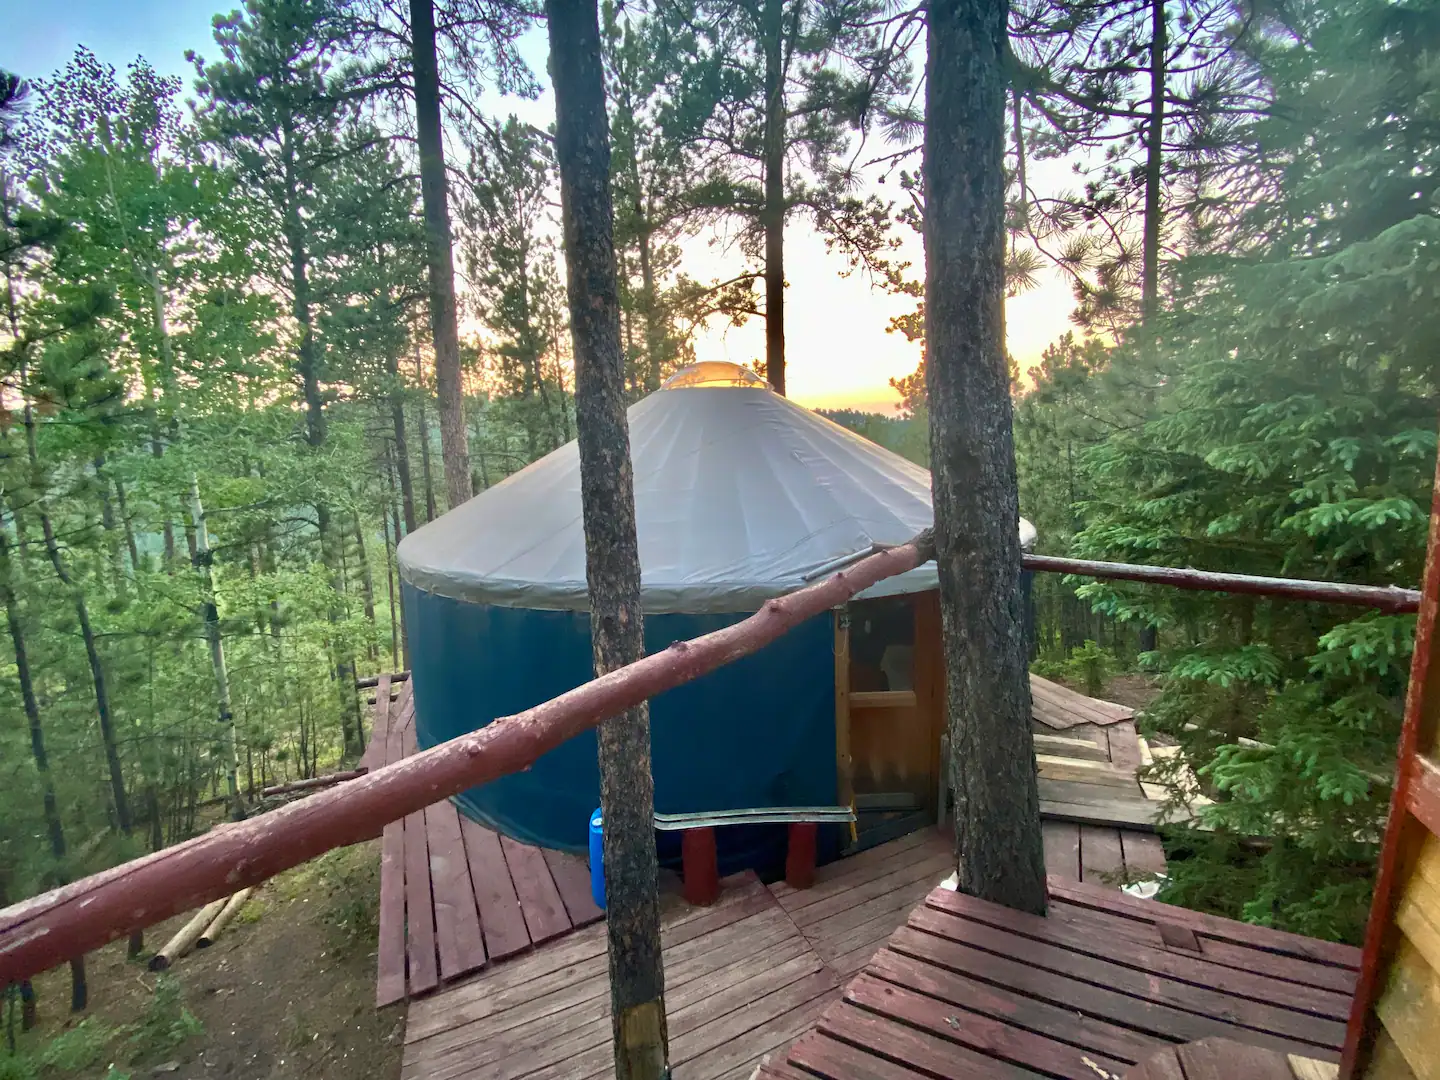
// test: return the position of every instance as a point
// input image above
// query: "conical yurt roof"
(740, 495)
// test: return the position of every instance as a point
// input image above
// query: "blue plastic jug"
(597, 858)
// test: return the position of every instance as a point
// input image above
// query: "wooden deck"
(740, 981)
(454, 895)
(1089, 754)
(967, 989)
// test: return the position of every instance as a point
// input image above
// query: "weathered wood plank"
(1101, 860)
(457, 921)
(921, 1051)
(853, 870)
(1099, 773)
(1224, 1059)
(374, 755)
(572, 879)
(1260, 937)
(1188, 967)
(889, 908)
(932, 868)
(1164, 1065)
(502, 923)
(1144, 853)
(1160, 1019)
(390, 946)
(507, 984)
(1058, 692)
(770, 1035)
(1062, 848)
(1124, 744)
(1068, 746)
(419, 912)
(1096, 922)
(720, 1020)
(1255, 1015)
(1001, 1003)
(830, 1059)
(545, 915)
(991, 1037)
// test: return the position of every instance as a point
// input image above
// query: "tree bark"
(424, 435)
(367, 578)
(1154, 162)
(977, 515)
(454, 441)
(210, 616)
(612, 559)
(79, 986)
(773, 32)
(402, 458)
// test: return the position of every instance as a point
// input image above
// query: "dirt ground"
(288, 991)
(1136, 691)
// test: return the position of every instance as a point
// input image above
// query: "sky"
(839, 352)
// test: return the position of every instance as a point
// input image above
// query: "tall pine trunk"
(773, 32)
(977, 512)
(79, 987)
(210, 617)
(627, 788)
(1154, 163)
(402, 455)
(454, 434)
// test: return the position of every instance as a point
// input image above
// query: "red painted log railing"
(49, 929)
(1384, 597)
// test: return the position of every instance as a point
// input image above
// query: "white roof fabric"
(740, 495)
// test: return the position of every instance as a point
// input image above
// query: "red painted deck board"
(972, 989)
(1101, 860)
(390, 949)
(500, 918)
(453, 896)
(457, 922)
(545, 915)
(419, 909)
(572, 878)
(374, 755)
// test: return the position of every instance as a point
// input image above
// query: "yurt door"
(888, 683)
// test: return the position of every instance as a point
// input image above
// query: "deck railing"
(53, 927)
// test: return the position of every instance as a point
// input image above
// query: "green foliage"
(78, 1047)
(1088, 666)
(165, 1024)
(1282, 423)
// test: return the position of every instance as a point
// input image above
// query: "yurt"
(740, 495)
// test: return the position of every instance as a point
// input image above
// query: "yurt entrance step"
(884, 816)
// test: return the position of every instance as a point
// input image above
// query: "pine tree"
(1295, 436)
(769, 92)
(511, 260)
(612, 558)
(977, 519)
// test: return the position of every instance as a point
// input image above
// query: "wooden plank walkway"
(742, 978)
(455, 896)
(968, 989)
(740, 981)
(1088, 755)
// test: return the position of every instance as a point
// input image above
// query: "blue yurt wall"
(759, 732)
